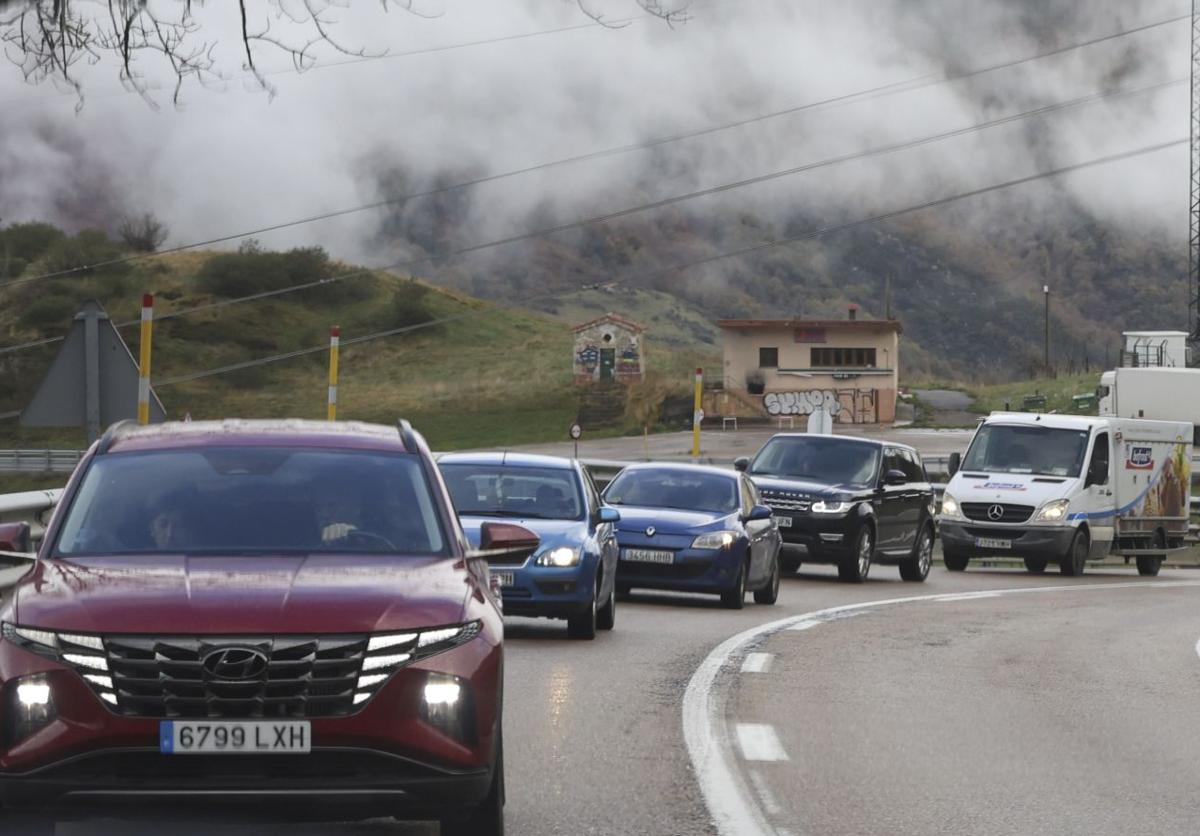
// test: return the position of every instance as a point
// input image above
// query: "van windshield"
(1038, 450)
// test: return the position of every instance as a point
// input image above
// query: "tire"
(1035, 565)
(1075, 559)
(855, 566)
(916, 568)
(735, 598)
(26, 824)
(1149, 565)
(488, 818)
(583, 625)
(606, 617)
(955, 561)
(769, 594)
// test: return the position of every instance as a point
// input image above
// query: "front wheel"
(583, 625)
(1149, 566)
(488, 818)
(769, 594)
(735, 598)
(606, 618)
(1035, 565)
(955, 561)
(916, 568)
(1074, 560)
(856, 565)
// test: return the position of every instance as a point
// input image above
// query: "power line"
(765, 245)
(724, 187)
(907, 85)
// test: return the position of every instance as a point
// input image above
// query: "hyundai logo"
(996, 512)
(650, 530)
(235, 663)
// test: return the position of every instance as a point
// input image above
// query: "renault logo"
(235, 663)
(650, 531)
(995, 513)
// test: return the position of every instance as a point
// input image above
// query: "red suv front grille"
(263, 677)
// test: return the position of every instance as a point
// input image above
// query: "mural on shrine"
(609, 348)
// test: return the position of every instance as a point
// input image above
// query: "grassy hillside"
(1058, 392)
(670, 321)
(486, 376)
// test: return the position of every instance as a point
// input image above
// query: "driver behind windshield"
(338, 511)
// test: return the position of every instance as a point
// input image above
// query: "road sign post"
(144, 350)
(335, 339)
(697, 412)
(576, 432)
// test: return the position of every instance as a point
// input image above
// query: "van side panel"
(1153, 478)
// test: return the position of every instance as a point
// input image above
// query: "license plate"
(504, 578)
(180, 737)
(647, 556)
(783, 522)
(992, 543)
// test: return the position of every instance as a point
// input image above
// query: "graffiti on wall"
(802, 403)
(846, 406)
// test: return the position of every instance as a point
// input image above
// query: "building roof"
(613, 318)
(861, 324)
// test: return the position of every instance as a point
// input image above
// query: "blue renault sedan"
(695, 529)
(573, 573)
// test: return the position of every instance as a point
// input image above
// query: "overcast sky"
(232, 157)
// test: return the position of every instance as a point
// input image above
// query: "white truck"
(1068, 489)
(1158, 393)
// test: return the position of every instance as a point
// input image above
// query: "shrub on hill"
(28, 241)
(252, 270)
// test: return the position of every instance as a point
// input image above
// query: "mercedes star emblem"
(996, 512)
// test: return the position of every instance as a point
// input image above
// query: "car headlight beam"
(950, 507)
(389, 652)
(1053, 512)
(84, 654)
(829, 506)
(560, 558)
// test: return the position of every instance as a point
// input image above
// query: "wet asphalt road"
(1055, 712)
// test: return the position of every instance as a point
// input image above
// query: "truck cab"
(1068, 489)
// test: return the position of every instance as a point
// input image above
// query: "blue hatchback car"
(695, 529)
(573, 573)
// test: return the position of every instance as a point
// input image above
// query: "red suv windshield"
(239, 500)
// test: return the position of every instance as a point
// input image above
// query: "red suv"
(256, 612)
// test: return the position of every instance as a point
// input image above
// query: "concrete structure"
(609, 348)
(791, 367)
(1154, 348)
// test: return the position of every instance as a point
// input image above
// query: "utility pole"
(1194, 179)
(1046, 292)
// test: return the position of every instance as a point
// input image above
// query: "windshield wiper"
(515, 514)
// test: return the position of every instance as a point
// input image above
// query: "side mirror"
(14, 537)
(609, 514)
(895, 477)
(741, 463)
(953, 465)
(511, 539)
(759, 512)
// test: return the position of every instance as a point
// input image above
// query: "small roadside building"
(850, 367)
(609, 348)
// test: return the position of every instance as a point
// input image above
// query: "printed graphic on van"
(1140, 458)
(1167, 497)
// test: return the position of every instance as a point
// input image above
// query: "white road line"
(970, 596)
(769, 803)
(1198, 647)
(730, 801)
(757, 663)
(759, 742)
(806, 624)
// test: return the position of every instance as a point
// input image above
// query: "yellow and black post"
(143, 408)
(335, 338)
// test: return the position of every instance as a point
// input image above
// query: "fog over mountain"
(233, 157)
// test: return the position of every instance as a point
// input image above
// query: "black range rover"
(847, 501)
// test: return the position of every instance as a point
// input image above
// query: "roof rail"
(110, 435)
(407, 435)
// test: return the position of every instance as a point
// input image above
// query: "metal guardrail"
(39, 461)
(33, 507)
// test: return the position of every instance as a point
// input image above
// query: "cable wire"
(906, 85)
(545, 232)
(765, 245)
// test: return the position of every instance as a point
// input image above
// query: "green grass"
(1058, 392)
(490, 376)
